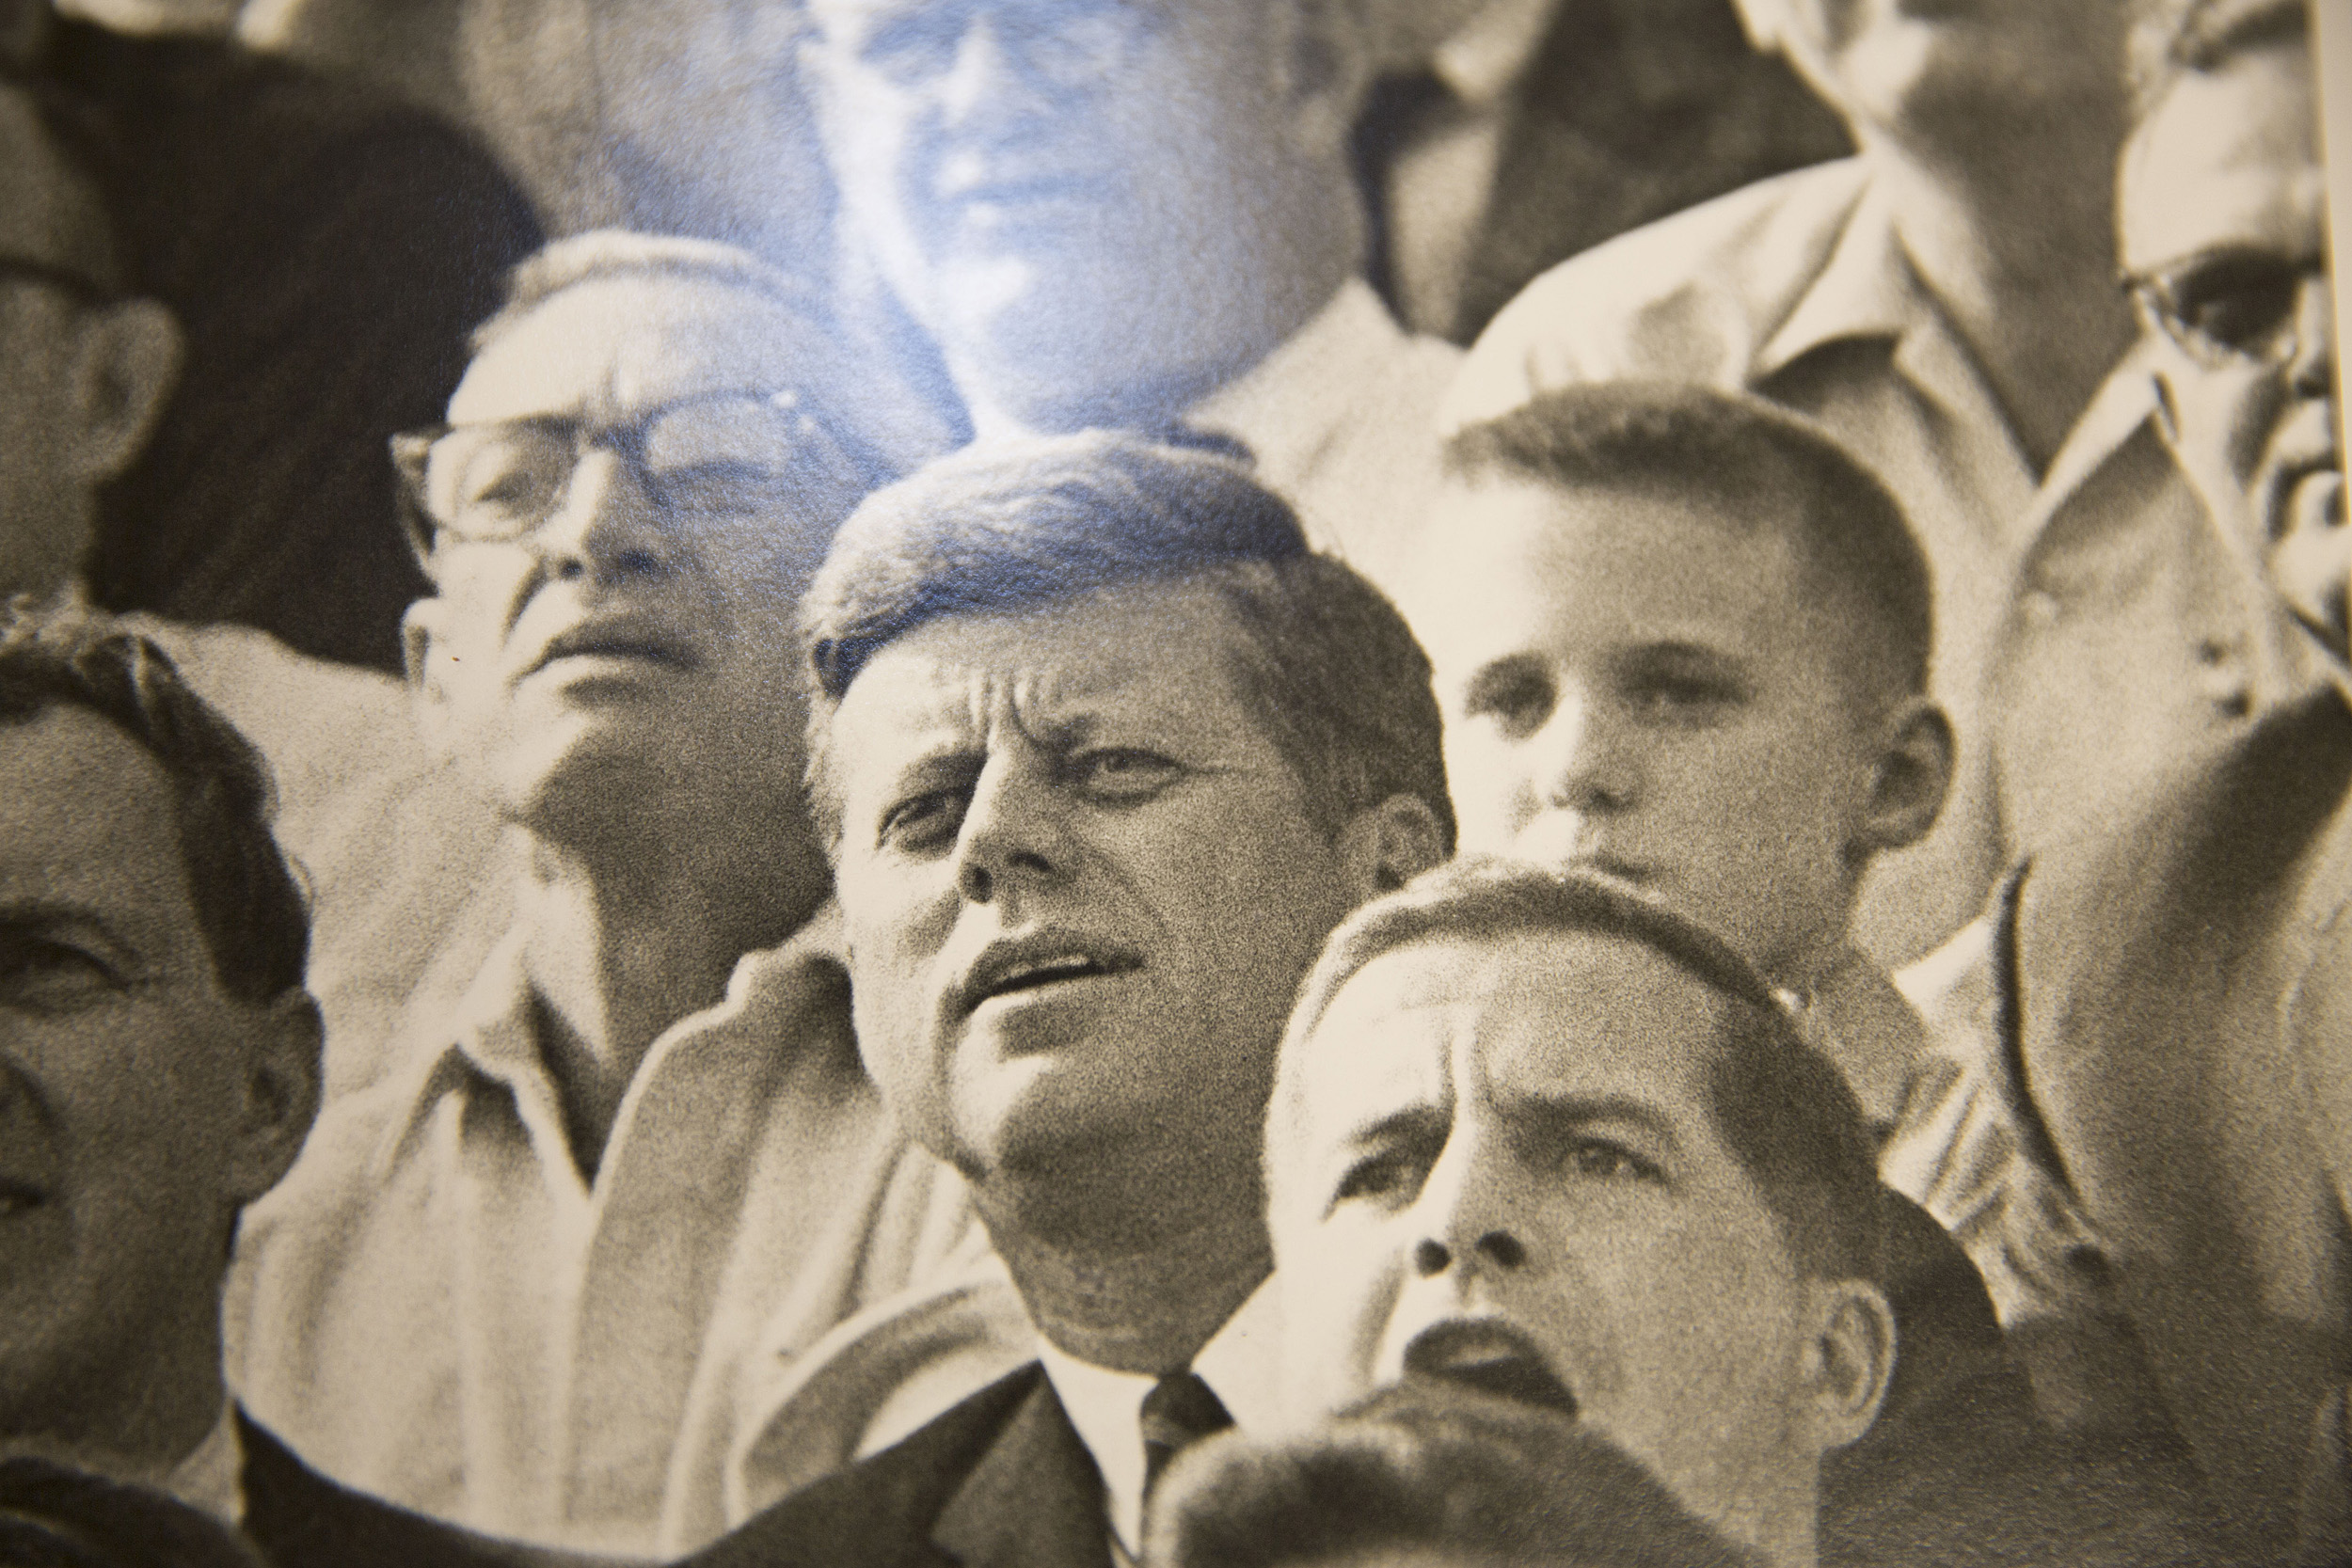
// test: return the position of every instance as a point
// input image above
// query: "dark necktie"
(1178, 1412)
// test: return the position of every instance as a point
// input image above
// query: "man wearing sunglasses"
(2183, 982)
(517, 1283)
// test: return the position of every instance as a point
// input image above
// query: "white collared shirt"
(212, 1477)
(2089, 606)
(436, 1307)
(1241, 1364)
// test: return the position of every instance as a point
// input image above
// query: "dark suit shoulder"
(881, 1510)
(300, 1519)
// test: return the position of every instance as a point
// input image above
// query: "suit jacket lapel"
(1035, 1499)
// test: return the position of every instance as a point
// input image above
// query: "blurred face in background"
(1086, 199)
(2223, 224)
(1928, 72)
(630, 501)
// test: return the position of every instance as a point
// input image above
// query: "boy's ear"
(1913, 775)
(280, 1097)
(1388, 844)
(1850, 1362)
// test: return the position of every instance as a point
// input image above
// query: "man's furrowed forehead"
(2205, 173)
(1539, 1016)
(613, 344)
(48, 213)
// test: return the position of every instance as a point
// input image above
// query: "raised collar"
(1240, 1365)
(1487, 54)
(212, 1477)
(1867, 289)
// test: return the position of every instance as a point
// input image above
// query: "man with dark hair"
(1944, 303)
(159, 1067)
(1104, 750)
(521, 1281)
(1544, 1135)
(2176, 1001)
(1434, 1473)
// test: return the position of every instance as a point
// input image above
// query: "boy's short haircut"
(1782, 1108)
(247, 903)
(1427, 1471)
(2173, 39)
(1326, 665)
(1758, 465)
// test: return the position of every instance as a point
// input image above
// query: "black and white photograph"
(1174, 784)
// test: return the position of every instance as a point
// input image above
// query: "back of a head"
(53, 213)
(1782, 1107)
(247, 902)
(1427, 1473)
(1020, 526)
(1748, 464)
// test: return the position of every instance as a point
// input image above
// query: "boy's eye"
(926, 822)
(1675, 697)
(1517, 696)
(1122, 773)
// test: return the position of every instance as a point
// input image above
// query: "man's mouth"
(1491, 1356)
(635, 642)
(1035, 964)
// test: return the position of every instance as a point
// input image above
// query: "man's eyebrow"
(1556, 1114)
(1414, 1124)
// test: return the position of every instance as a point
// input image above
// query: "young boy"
(1682, 637)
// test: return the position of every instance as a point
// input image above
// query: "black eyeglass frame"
(2155, 298)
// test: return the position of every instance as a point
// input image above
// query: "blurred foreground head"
(1430, 1474)
(1540, 1136)
(2224, 237)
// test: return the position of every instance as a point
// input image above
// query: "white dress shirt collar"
(1240, 1366)
(212, 1477)
(1491, 51)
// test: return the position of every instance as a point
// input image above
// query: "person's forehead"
(628, 342)
(1541, 1016)
(88, 822)
(46, 213)
(1159, 649)
(2230, 157)
(1527, 562)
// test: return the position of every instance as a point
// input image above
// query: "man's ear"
(421, 640)
(1388, 844)
(279, 1094)
(126, 360)
(1324, 58)
(1850, 1362)
(1913, 775)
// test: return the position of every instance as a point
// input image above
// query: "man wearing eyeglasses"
(1141, 214)
(2183, 979)
(517, 1283)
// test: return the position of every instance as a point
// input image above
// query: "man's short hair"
(1431, 1470)
(1757, 464)
(603, 255)
(1329, 668)
(246, 901)
(1782, 1108)
(83, 247)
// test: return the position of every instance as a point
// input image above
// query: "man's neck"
(2017, 246)
(625, 940)
(143, 1418)
(1137, 1303)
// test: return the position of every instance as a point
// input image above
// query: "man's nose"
(1468, 1212)
(986, 80)
(1587, 762)
(1014, 836)
(604, 528)
(2312, 370)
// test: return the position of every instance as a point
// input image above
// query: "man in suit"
(1102, 751)
(1140, 216)
(159, 1069)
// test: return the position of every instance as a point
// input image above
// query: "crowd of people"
(1301, 784)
